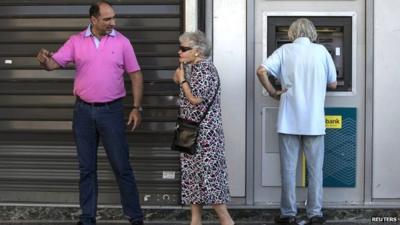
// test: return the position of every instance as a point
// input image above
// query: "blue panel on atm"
(340, 147)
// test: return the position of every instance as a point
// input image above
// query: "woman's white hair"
(302, 28)
(197, 40)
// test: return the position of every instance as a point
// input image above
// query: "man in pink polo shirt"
(101, 56)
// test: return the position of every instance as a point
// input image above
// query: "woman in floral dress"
(204, 174)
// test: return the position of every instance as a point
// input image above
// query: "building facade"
(37, 154)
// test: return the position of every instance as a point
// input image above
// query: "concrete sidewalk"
(31, 215)
(172, 223)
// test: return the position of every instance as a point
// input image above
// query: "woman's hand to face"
(175, 77)
(179, 74)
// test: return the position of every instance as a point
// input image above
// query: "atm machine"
(343, 166)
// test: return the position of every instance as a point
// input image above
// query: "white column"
(386, 109)
(191, 15)
(229, 44)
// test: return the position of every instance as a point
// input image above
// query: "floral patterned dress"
(204, 178)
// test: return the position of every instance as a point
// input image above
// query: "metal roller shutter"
(37, 154)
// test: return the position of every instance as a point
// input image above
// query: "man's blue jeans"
(290, 147)
(106, 122)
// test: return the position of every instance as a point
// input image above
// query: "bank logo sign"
(333, 122)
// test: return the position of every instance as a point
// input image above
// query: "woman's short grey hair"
(197, 40)
(302, 28)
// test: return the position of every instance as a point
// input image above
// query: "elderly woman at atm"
(204, 174)
(304, 69)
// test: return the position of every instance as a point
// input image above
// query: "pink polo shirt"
(99, 71)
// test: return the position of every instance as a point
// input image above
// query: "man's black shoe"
(285, 220)
(316, 220)
(137, 222)
(79, 223)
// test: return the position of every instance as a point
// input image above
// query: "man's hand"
(277, 94)
(45, 60)
(137, 95)
(134, 120)
(43, 56)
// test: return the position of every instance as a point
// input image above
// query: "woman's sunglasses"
(184, 49)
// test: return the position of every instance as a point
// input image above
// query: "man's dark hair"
(95, 8)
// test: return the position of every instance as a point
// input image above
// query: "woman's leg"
(196, 214)
(223, 214)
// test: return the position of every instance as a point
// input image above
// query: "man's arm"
(332, 85)
(137, 96)
(46, 61)
(262, 76)
(331, 71)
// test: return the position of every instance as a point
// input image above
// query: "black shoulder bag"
(186, 132)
